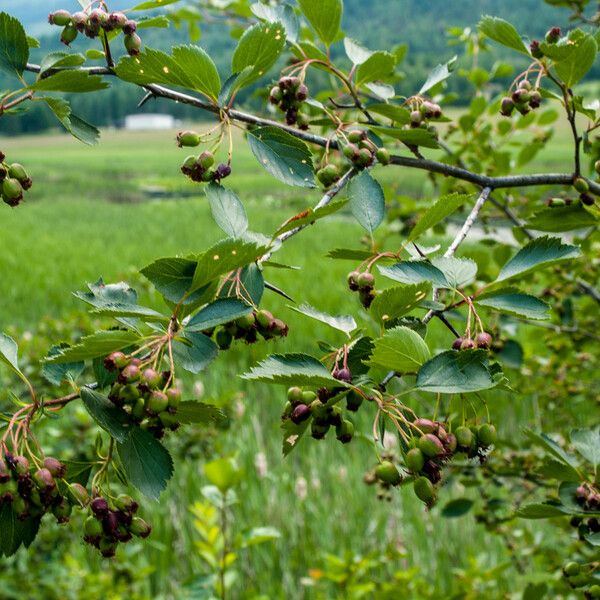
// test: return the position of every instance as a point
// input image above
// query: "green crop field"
(123, 204)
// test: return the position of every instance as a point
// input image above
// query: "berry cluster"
(199, 168)
(364, 284)
(32, 492)
(588, 497)
(149, 397)
(92, 23)
(106, 526)
(423, 111)
(362, 152)
(482, 340)
(14, 181)
(581, 575)
(248, 328)
(523, 99)
(302, 404)
(288, 95)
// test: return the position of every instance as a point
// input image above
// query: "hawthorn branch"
(432, 166)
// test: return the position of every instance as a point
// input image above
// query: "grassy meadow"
(95, 212)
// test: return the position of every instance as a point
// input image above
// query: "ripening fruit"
(415, 118)
(140, 528)
(345, 431)
(387, 472)
(535, 49)
(126, 503)
(351, 151)
(12, 189)
(467, 344)
(553, 35)
(302, 93)
(535, 100)
(44, 480)
(151, 378)
(117, 20)
(174, 397)
(483, 340)
(414, 460)
(62, 511)
(424, 490)
(365, 157)
(486, 435)
(365, 281)
(157, 402)
(133, 43)
(294, 395)
(353, 401)
(56, 468)
(99, 506)
(430, 445)
(223, 339)
(79, 493)
(129, 27)
(507, 106)
(353, 280)
(464, 436)
(68, 35)
(383, 156)
(275, 95)
(59, 17)
(342, 375)
(355, 136)
(129, 374)
(426, 425)
(300, 413)
(319, 429)
(107, 548)
(206, 159)
(21, 465)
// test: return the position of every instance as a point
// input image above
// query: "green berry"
(415, 461)
(597, 167)
(12, 189)
(507, 106)
(133, 43)
(60, 18)
(430, 445)
(353, 401)
(351, 151)
(264, 319)
(580, 184)
(174, 397)
(68, 35)
(92, 527)
(140, 528)
(157, 402)
(79, 494)
(275, 95)
(139, 409)
(383, 156)
(572, 568)
(295, 396)
(365, 281)
(365, 157)
(206, 159)
(345, 431)
(387, 472)
(424, 490)
(188, 139)
(223, 339)
(464, 437)
(355, 136)
(18, 172)
(129, 393)
(62, 511)
(486, 435)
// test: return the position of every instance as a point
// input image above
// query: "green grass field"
(89, 215)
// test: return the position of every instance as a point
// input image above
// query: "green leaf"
(259, 48)
(226, 256)
(153, 4)
(521, 305)
(562, 218)
(188, 67)
(580, 60)
(587, 443)
(366, 201)
(395, 302)
(379, 66)
(112, 419)
(260, 535)
(458, 272)
(540, 511)
(56, 60)
(222, 310)
(283, 156)
(345, 323)
(443, 208)
(100, 343)
(57, 374)
(199, 412)
(349, 254)
(355, 52)
(223, 472)
(440, 73)
(546, 442)
(134, 311)
(194, 351)
(146, 462)
(15, 533)
(172, 277)
(415, 271)
(283, 14)
(77, 127)
(400, 349)
(399, 114)
(541, 251)
(252, 285)
(101, 294)
(454, 372)
(412, 137)
(292, 369)
(8, 354)
(14, 49)
(503, 32)
(457, 508)
(309, 216)
(70, 81)
(325, 16)
(554, 469)
(227, 210)
(292, 434)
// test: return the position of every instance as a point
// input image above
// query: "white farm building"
(150, 121)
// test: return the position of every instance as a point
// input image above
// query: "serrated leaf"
(292, 434)
(77, 127)
(395, 302)
(503, 32)
(222, 310)
(400, 349)
(541, 251)
(259, 48)
(14, 49)
(551, 446)
(57, 374)
(366, 201)
(199, 412)
(112, 419)
(561, 218)
(194, 351)
(443, 208)
(283, 14)
(454, 372)
(8, 354)
(309, 216)
(189, 67)
(172, 277)
(345, 323)
(292, 369)
(100, 343)
(61, 59)
(458, 272)
(522, 305)
(134, 311)
(355, 52)
(15, 533)
(415, 271)
(325, 16)
(399, 114)
(379, 66)
(540, 511)
(349, 254)
(146, 462)
(457, 508)
(412, 137)
(587, 443)
(439, 73)
(283, 156)
(554, 469)
(227, 210)
(70, 81)
(579, 61)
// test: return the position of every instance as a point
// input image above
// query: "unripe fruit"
(345, 431)
(59, 17)
(414, 460)
(133, 43)
(426, 425)
(188, 139)
(520, 96)
(56, 468)
(294, 395)
(62, 511)
(129, 393)
(486, 435)
(450, 443)
(580, 184)
(99, 506)
(126, 503)
(129, 27)
(535, 99)
(157, 402)
(140, 528)
(92, 529)
(587, 199)
(151, 378)
(507, 106)
(353, 401)
(594, 591)
(206, 159)
(12, 189)
(553, 35)
(571, 569)
(525, 84)
(424, 490)
(464, 437)
(139, 409)
(4, 474)
(17, 171)
(430, 445)
(387, 472)
(20, 465)
(79, 494)
(129, 374)
(351, 151)
(115, 360)
(365, 280)
(597, 167)
(107, 548)
(365, 157)
(383, 156)
(300, 413)
(483, 340)
(308, 397)
(68, 35)
(275, 95)
(173, 397)
(319, 429)
(355, 136)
